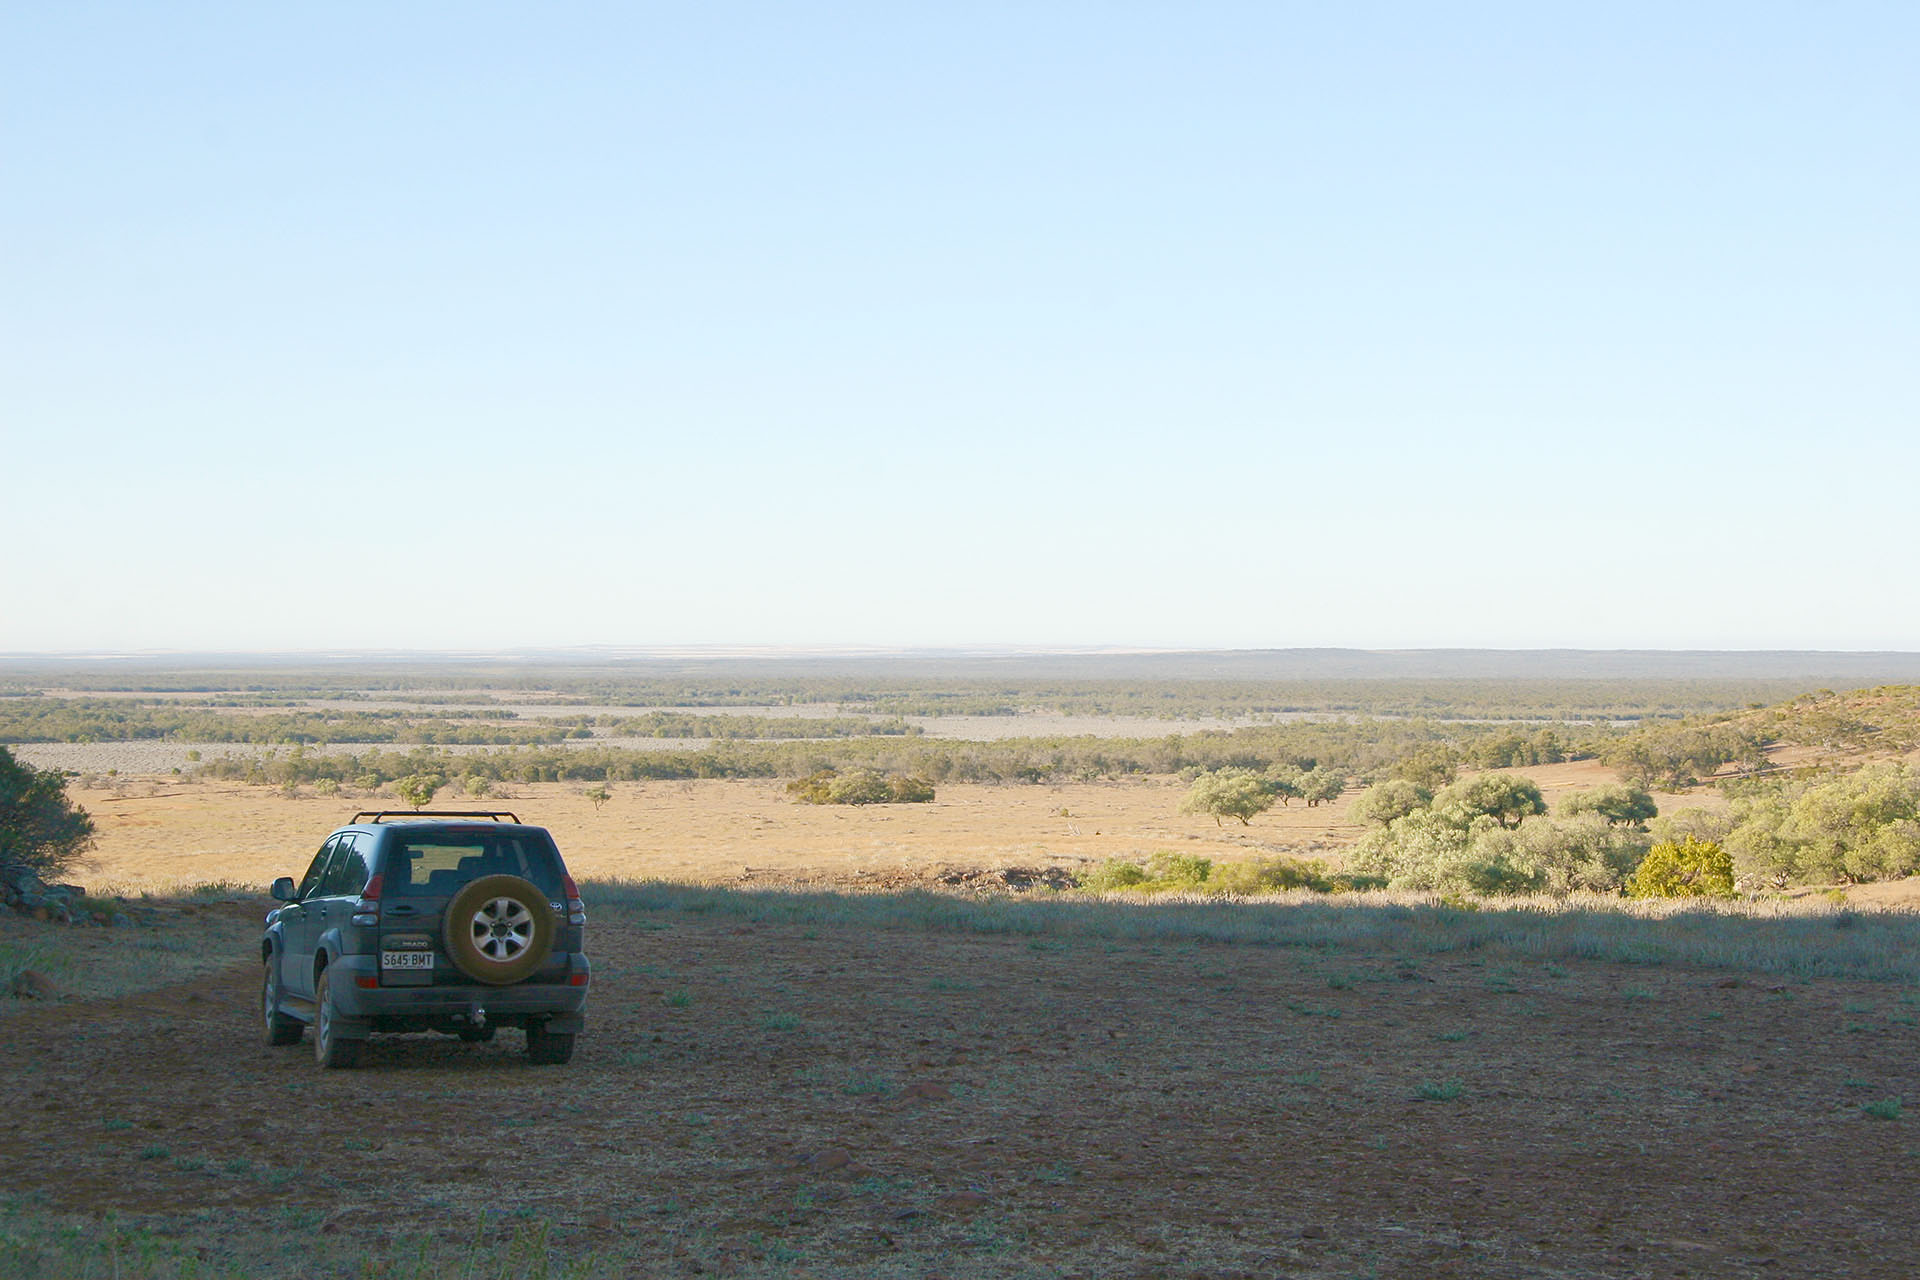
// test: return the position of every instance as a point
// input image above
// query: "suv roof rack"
(381, 815)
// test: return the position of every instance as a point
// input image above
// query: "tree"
(1394, 798)
(1228, 793)
(1691, 869)
(417, 789)
(1432, 766)
(1506, 798)
(1284, 781)
(1620, 804)
(1319, 785)
(40, 829)
(599, 795)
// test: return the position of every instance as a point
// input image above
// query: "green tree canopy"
(1621, 804)
(417, 789)
(1506, 798)
(1394, 798)
(1228, 793)
(1320, 784)
(39, 827)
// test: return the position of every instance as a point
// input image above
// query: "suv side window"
(310, 882)
(347, 873)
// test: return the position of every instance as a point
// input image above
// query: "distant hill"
(1809, 668)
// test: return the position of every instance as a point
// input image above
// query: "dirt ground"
(756, 1099)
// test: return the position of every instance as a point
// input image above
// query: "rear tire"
(329, 1049)
(548, 1048)
(277, 1029)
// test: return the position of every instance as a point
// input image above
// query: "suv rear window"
(440, 862)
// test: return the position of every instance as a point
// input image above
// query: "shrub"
(1179, 870)
(1859, 826)
(1691, 869)
(39, 827)
(860, 786)
(1112, 875)
(1454, 850)
(1272, 875)
(910, 789)
(418, 789)
(1168, 872)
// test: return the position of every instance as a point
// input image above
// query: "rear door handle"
(401, 910)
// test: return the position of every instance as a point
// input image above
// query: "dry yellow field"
(157, 833)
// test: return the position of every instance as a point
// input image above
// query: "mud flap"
(345, 1028)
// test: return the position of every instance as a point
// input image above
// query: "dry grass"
(158, 833)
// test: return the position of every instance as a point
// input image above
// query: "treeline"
(1849, 827)
(1490, 834)
(1884, 719)
(131, 720)
(889, 693)
(669, 724)
(1363, 750)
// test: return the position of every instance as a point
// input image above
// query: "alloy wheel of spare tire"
(277, 1027)
(498, 930)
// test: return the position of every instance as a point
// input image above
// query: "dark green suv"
(433, 921)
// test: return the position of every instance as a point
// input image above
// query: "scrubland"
(868, 1041)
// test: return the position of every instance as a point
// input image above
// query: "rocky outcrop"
(23, 892)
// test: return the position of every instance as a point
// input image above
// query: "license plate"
(406, 959)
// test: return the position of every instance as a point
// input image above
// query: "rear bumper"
(364, 1008)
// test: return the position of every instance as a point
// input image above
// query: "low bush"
(1690, 869)
(860, 786)
(1167, 872)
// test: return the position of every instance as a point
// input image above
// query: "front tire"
(548, 1048)
(277, 1029)
(329, 1049)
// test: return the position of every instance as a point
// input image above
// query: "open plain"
(158, 832)
(787, 1084)
(787, 1073)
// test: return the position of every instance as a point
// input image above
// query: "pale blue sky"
(1382, 325)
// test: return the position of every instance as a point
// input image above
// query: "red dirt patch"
(836, 1101)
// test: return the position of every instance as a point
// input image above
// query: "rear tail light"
(576, 909)
(366, 912)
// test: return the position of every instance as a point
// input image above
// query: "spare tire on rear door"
(498, 929)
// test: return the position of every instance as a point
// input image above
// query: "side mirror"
(283, 889)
